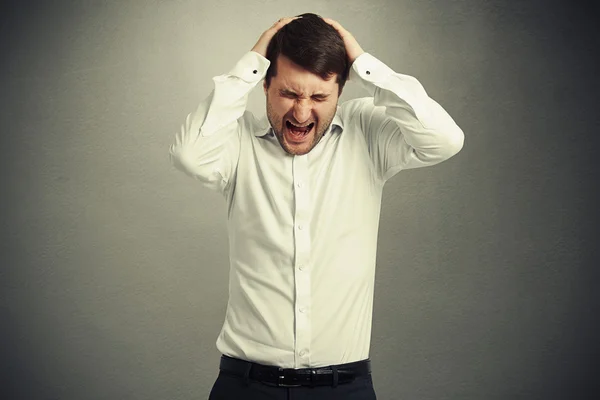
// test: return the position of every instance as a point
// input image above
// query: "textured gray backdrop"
(114, 266)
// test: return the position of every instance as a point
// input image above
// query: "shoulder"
(350, 108)
(356, 110)
(354, 104)
(249, 122)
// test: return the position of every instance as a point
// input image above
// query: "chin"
(296, 149)
(297, 152)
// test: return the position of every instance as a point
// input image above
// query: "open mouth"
(298, 133)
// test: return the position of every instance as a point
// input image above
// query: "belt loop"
(335, 376)
(247, 373)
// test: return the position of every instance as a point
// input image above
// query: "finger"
(332, 22)
(280, 24)
(336, 25)
(284, 21)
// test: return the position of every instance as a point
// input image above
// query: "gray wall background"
(114, 265)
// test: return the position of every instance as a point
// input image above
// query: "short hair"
(314, 45)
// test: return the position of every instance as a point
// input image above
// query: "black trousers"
(229, 387)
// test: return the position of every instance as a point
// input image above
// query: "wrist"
(355, 54)
(260, 50)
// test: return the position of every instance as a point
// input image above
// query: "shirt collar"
(265, 127)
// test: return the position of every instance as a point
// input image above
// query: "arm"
(208, 143)
(403, 126)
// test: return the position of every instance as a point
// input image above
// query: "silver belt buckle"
(280, 379)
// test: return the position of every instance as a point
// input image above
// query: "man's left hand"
(353, 49)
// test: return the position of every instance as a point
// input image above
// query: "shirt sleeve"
(404, 128)
(208, 144)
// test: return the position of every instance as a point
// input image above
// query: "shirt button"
(302, 309)
(301, 267)
(302, 353)
(299, 184)
(300, 227)
(255, 71)
(368, 72)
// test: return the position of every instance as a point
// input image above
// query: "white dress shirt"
(303, 229)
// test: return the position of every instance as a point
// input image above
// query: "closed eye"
(292, 95)
(289, 95)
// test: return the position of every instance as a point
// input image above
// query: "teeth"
(298, 126)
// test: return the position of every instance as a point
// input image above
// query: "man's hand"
(263, 42)
(352, 47)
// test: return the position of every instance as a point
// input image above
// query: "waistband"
(288, 377)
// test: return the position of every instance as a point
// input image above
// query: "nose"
(302, 111)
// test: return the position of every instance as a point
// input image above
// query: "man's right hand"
(263, 42)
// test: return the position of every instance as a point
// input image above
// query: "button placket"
(302, 245)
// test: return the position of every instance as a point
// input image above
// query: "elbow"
(187, 160)
(445, 147)
(455, 141)
(182, 159)
(452, 143)
(174, 156)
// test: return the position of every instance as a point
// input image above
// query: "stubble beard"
(278, 125)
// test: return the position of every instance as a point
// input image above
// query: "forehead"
(291, 76)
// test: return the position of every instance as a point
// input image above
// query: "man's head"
(309, 67)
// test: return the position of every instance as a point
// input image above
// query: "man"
(303, 189)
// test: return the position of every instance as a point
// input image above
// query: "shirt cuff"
(251, 68)
(369, 69)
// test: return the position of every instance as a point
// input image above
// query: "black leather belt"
(288, 377)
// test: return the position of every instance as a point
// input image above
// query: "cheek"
(279, 100)
(275, 102)
(325, 112)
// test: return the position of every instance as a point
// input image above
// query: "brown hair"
(314, 45)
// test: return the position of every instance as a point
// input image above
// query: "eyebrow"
(288, 92)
